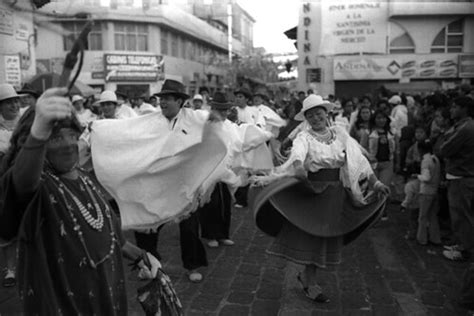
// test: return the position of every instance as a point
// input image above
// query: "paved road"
(381, 274)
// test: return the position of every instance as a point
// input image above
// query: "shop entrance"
(134, 90)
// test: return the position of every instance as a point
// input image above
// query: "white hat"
(313, 101)
(395, 100)
(197, 97)
(8, 92)
(76, 97)
(107, 96)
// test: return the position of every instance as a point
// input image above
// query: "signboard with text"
(13, 70)
(6, 22)
(395, 67)
(353, 26)
(466, 66)
(132, 67)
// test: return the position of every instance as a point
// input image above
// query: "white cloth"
(156, 174)
(85, 117)
(342, 121)
(145, 108)
(6, 131)
(247, 115)
(269, 119)
(399, 119)
(124, 111)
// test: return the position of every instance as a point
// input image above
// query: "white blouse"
(316, 155)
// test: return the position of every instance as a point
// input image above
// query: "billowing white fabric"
(154, 173)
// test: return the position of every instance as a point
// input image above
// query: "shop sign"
(396, 67)
(353, 26)
(6, 22)
(13, 70)
(128, 67)
(466, 66)
(21, 32)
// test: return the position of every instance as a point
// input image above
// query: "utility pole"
(229, 29)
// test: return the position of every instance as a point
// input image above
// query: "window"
(449, 39)
(133, 37)
(174, 45)
(94, 40)
(402, 45)
(164, 42)
(182, 47)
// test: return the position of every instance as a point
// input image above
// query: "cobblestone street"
(381, 274)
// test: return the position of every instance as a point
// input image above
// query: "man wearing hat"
(245, 113)
(172, 98)
(197, 101)
(9, 115)
(215, 216)
(266, 117)
(85, 116)
(204, 91)
(29, 97)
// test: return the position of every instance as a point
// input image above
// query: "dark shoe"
(321, 298)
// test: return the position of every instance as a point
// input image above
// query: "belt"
(324, 175)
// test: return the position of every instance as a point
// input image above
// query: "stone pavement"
(381, 274)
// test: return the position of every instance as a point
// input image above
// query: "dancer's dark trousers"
(193, 253)
(215, 216)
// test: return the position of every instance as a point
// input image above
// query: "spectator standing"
(458, 150)
(428, 225)
(361, 129)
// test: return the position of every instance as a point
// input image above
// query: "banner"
(353, 27)
(13, 70)
(127, 67)
(396, 67)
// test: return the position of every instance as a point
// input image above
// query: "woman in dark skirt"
(323, 197)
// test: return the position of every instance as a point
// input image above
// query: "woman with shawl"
(323, 197)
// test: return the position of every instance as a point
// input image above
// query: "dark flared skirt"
(311, 220)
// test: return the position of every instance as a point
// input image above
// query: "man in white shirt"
(266, 117)
(85, 116)
(399, 115)
(141, 107)
(123, 109)
(245, 113)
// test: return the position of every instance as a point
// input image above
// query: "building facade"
(134, 48)
(351, 48)
(17, 42)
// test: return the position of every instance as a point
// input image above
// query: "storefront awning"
(412, 87)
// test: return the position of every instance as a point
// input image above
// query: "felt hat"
(244, 91)
(172, 87)
(220, 102)
(8, 92)
(261, 92)
(313, 101)
(121, 94)
(28, 89)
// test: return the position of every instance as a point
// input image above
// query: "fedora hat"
(313, 101)
(220, 102)
(28, 89)
(107, 96)
(173, 87)
(8, 92)
(261, 92)
(244, 91)
(76, 97)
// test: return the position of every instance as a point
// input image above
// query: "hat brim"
(220, 106)
(13, 97)
(171, 92)
(246, 94)
(26, 92)
(327, 106)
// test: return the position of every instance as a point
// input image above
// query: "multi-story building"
(134, 48)
(17, 42)
(351, 48)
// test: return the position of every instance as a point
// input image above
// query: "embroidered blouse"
(316, 154)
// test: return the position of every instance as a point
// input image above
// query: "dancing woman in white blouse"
(322, 198)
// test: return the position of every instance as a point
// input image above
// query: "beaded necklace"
(96, 224)
(326, 138)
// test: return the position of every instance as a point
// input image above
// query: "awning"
(412, 87)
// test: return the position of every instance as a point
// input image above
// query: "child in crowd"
(412, 206)
(413, 157)
(428, 225)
